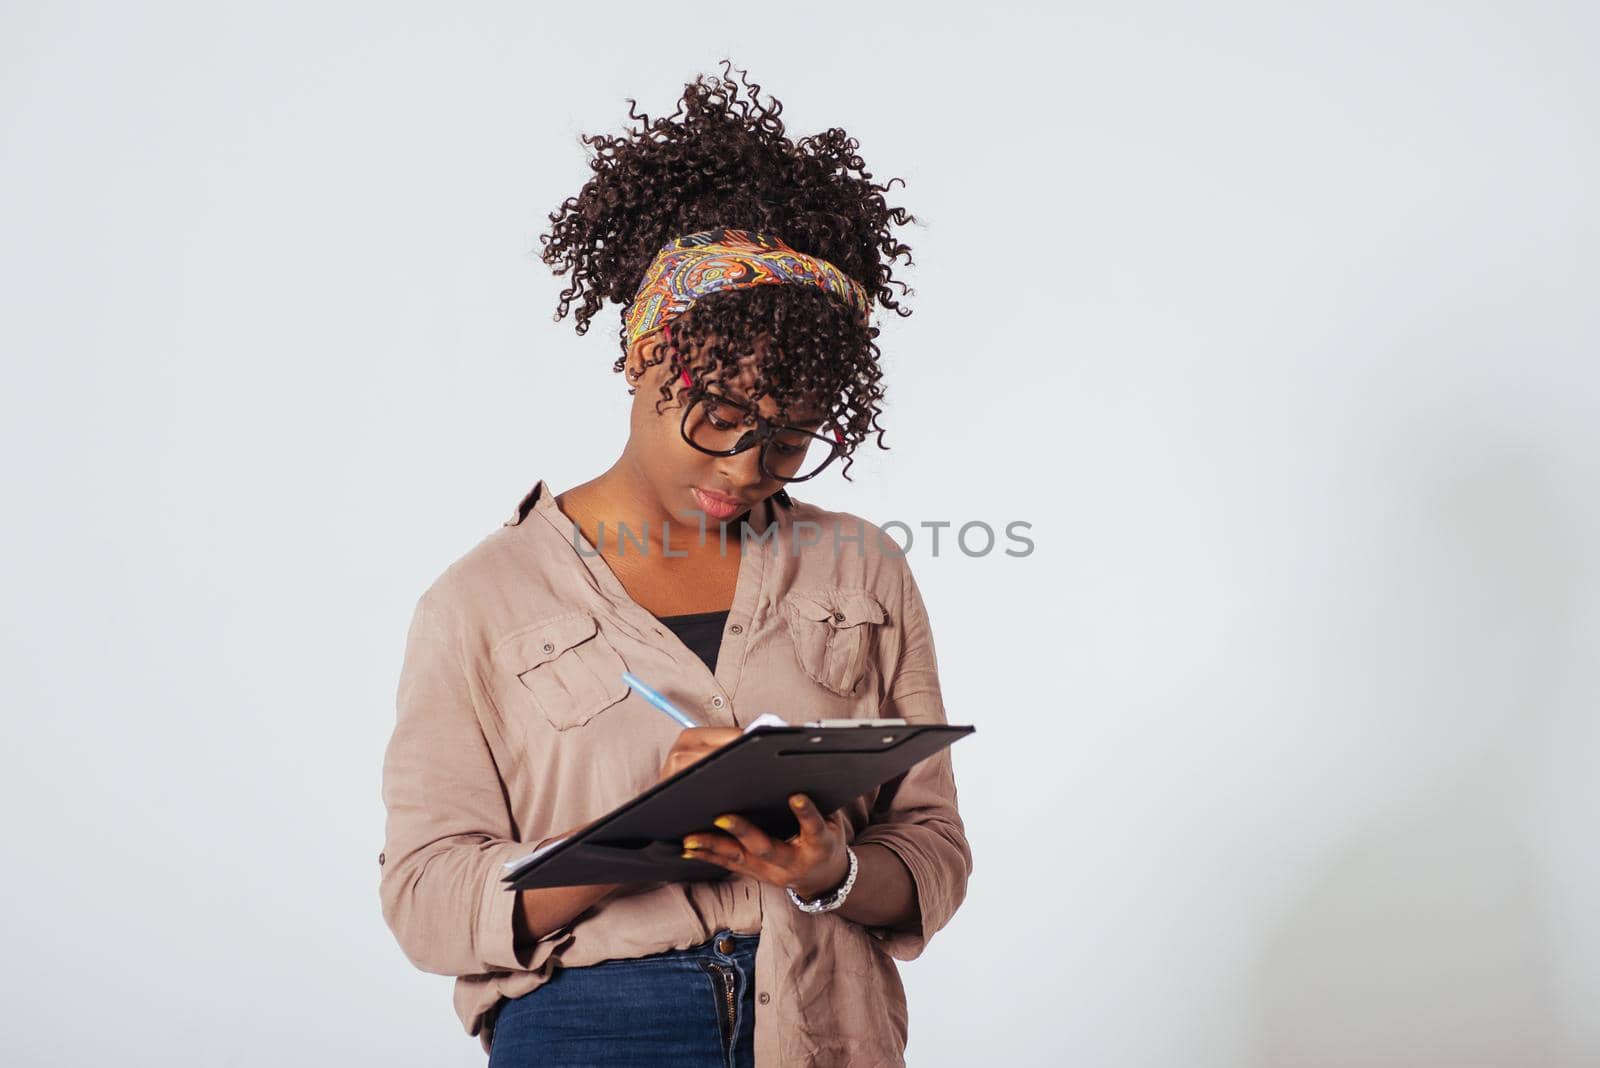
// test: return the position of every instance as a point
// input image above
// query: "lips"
(718, 506)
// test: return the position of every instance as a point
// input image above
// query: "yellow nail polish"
(798, 802)
(724, 822)
(691, 843)
(687, 855)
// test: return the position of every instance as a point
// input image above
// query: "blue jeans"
(688, 1007)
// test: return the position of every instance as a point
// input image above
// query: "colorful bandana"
(689, 267)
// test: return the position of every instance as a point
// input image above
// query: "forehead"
(739, 387)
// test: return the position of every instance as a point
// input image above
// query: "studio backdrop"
(1243, 431)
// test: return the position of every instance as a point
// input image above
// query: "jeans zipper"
(725, 977)
(727, 985)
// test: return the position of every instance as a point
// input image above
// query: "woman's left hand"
(812, 863)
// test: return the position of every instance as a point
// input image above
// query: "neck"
(621, 498)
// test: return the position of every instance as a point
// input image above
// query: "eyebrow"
(745, 401)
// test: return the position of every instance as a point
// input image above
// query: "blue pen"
(656, 699)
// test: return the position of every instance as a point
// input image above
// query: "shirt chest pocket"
(567, 670)
(835, 631)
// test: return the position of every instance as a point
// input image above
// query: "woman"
(746, 265)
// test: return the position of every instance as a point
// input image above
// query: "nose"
(742, 470)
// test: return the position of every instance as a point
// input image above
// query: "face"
(688, 482)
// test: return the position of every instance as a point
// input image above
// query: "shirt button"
(716, 700)
(838, 617)
(380, 858)
(765, 997)
(737, 628)
(549, 648)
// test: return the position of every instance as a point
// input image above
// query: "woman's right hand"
(546, 909)
(695, 743)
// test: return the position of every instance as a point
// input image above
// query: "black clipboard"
(641, 841)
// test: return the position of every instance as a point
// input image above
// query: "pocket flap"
(842, 606)
(825, 625)
(568, 669)
(544, 641)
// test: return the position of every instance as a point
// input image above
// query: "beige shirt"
(514, 725)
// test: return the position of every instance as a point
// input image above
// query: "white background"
(1278, 324)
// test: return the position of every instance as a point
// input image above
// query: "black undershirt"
(700, 631)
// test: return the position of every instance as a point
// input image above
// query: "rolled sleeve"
(915, 815)
(448, 830)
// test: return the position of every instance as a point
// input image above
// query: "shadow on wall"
(1425, 940)
(1422, 945)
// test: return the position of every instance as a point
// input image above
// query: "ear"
(642, 350)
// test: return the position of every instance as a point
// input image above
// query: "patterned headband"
(710, 261)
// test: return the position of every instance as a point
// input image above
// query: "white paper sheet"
(541, 851)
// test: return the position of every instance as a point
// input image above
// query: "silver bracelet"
(833, 900)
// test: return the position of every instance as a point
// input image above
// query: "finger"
(714, 844)
(751, 838)
(680, 760)
(696, 743)
(812, 825)
(710, 858)
(708, 738)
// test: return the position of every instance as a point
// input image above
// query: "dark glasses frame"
(765, 430)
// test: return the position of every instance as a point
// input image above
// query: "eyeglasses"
(788, 453)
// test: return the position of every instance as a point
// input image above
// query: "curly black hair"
(722, 161)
